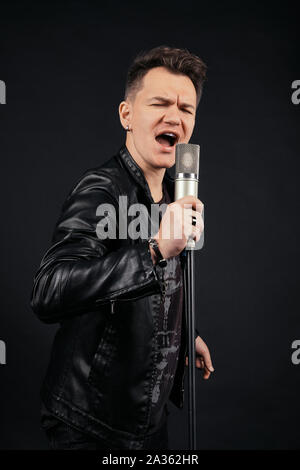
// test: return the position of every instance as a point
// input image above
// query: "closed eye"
(163, 104)
(186, 111)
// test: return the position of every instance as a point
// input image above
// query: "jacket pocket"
(102, 361)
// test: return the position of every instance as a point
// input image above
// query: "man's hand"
(176, 225)
(203, 359)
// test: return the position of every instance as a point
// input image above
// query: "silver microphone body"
(186, 185)
(187, 174)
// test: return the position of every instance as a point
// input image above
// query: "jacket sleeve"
(80, 270)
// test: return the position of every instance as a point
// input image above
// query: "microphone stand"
(190, 310)
(187, 158)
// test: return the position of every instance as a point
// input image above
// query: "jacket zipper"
(113, 302)
(112, 307)
(163, 298)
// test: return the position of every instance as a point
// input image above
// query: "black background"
(65, 65)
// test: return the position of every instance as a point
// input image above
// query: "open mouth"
(167, 139)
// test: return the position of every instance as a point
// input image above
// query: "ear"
(125, 112)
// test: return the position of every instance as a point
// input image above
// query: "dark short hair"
(179, 61)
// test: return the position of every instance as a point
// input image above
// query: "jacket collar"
(138, 174)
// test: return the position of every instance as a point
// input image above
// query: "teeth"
(170, 134)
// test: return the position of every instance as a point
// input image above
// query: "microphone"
(187, 159)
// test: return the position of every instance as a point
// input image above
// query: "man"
(120, 351)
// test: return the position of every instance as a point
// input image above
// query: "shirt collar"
(138, 173)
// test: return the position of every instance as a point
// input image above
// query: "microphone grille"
(187, 158)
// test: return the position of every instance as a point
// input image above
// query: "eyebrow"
(166, 100)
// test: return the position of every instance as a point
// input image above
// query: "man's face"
(166, 104)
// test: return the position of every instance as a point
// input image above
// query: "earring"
(127, 128)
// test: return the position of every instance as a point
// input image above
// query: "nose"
(172, 115)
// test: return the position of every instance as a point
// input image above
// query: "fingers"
(190, 213)
(206, 374)
(207, 360)
(196, 234)
(176, 227)
(191, 202)
(200, 364)
(191, 230)
(203, 359)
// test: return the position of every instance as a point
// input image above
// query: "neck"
(154, 176)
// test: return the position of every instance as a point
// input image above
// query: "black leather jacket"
(105, 294)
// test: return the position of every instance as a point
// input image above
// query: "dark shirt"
(168, 333)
